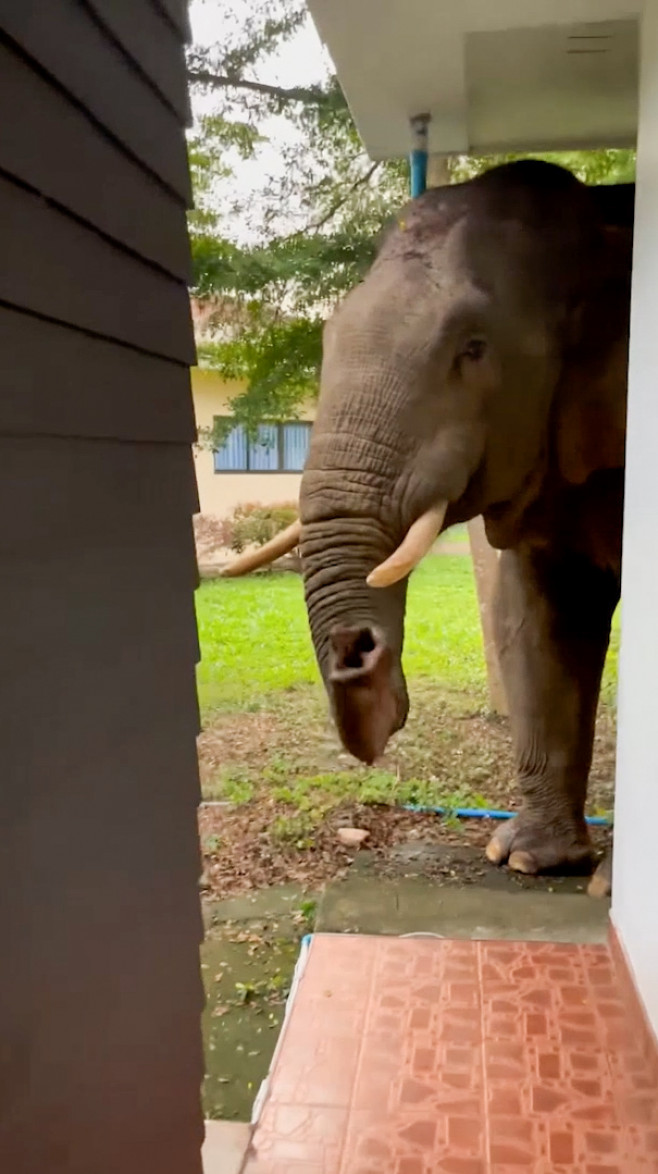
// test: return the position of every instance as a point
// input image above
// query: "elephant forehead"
(403, 305)
(428, 238)
(488, 251)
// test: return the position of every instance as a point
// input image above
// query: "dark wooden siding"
(153, 44)
(65, 40)
(106, 289)
(100, 995)
(70, 156)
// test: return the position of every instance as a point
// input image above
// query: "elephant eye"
(475, 349)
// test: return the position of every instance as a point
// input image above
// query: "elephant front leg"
(553, 619)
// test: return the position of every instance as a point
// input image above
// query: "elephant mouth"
(366, 689)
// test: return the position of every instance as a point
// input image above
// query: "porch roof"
(495, 75)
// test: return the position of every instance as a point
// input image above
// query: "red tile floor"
(416, 1056)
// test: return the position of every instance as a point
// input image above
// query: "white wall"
(635, 901)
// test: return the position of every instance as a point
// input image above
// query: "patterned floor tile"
(413, 1056)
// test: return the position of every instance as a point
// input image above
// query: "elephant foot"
(528, 844)
(601, 883)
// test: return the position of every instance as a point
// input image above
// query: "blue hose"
(598, 821)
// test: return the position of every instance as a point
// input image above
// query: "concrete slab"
(459, 865)
(412, 905)
(272, 904)
(225, 1147)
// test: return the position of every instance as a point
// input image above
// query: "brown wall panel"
(151, 40)
(176, 11)
(100, 990)
(100, 995)
(52, 145)
(63, 37)
(57, 381)
(53, 265)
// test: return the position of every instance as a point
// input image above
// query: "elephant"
(480, 368)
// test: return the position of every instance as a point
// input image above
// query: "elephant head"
(473, 362)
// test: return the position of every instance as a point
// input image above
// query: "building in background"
(266, 469)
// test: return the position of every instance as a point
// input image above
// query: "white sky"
(301, 61)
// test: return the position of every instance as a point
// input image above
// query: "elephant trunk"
(351, 505)
(357, 631)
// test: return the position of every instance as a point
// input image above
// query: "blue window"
(276, 448)
(264, 450)
(295, 446)
(232, 456)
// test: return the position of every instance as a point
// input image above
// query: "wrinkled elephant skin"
(481, 365)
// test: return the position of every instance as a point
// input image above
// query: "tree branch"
(338, 204)
(335, 207)
(310, 95)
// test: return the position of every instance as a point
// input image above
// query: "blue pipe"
(598, 821)
(418, 157)
(418, 165)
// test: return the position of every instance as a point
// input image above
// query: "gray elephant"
(480, 368)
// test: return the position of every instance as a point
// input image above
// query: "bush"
(253, 524)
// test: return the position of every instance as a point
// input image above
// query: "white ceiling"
(493, 74)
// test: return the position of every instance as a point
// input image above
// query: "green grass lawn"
(255, 641)
(268, 746)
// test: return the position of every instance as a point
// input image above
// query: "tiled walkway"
(434, 1057)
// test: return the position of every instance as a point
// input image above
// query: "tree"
(313, 219)
(604, 166)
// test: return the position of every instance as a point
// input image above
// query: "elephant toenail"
(523, 862)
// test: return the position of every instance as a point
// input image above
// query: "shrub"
(252, 524)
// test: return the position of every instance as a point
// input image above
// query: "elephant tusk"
(281, 544)
(413, 548)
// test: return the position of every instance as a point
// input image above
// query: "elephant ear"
(590, 420)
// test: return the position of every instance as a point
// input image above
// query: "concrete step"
(225, 1147)
(497, 907)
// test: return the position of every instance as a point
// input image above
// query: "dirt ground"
(283, 789)
(249, 860)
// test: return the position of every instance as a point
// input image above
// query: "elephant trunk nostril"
(366, 699)
(350, 648)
